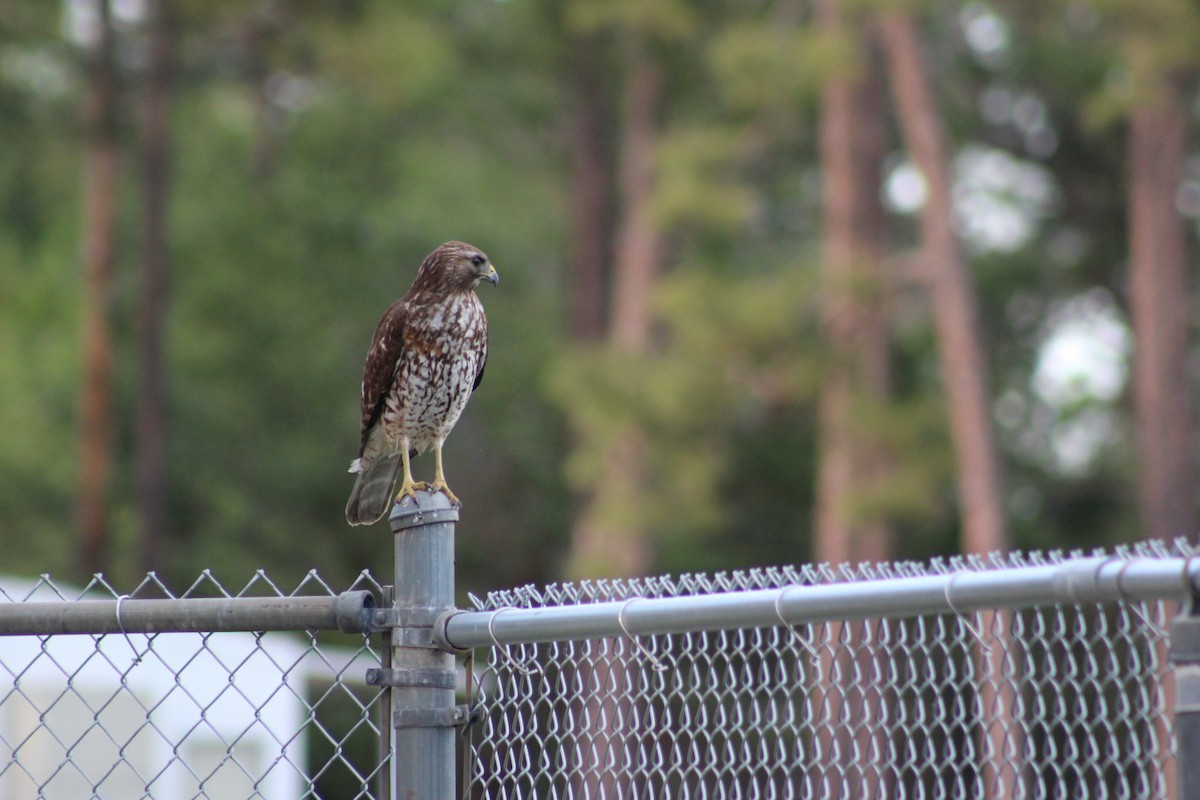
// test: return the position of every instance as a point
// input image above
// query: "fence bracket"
(430, 678)
(454, 717)
(439, 633)
(404, 618)
(460, 716)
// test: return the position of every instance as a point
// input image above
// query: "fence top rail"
(1076, 581)
(349, 612)
(1081, 581)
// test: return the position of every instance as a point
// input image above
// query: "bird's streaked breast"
(443, 349)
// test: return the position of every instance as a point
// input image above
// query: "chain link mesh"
(186, 715)
(1056, 702)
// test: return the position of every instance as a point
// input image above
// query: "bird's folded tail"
(372, 493)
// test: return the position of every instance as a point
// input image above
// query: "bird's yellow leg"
(408, 487)
(439, 479)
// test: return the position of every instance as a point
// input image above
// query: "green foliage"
(697, 184)
(39, 357)
(778, 67)
(668, 19)
(735, 349)
(1151, 40)
(320, 152)
(392, 55)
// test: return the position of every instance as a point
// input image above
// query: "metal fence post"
(1185, 656)
(384, 788)
(424, 715)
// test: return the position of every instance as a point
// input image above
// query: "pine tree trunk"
(597, 546)
(602, 543)
(638, 252)
(591, 193)
(956, 317)
(259, 34)
(1159, 293)
(151, 419)
(853, 143)
(964, 374)
(99, 258)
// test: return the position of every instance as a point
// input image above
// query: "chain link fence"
(1058, 700)
(185, 715)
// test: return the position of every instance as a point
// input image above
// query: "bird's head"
(455, 267)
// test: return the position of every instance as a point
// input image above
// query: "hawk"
(425, 360)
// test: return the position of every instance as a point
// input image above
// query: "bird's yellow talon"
(440, 486)
(410, 489)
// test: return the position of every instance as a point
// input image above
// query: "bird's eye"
(477, 260)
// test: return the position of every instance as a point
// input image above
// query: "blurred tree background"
(781, 280)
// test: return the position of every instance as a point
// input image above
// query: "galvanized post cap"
(427, 508)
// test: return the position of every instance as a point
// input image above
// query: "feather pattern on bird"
(426, 358)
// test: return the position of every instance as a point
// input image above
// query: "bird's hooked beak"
(491, 276)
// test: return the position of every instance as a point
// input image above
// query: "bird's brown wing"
(482, 366)
(386, 348)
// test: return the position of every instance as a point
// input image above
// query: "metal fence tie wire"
(968, 624)
(812, 651)
(137, 657)
(1136, 606)
(518, 666)
(655, 663)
